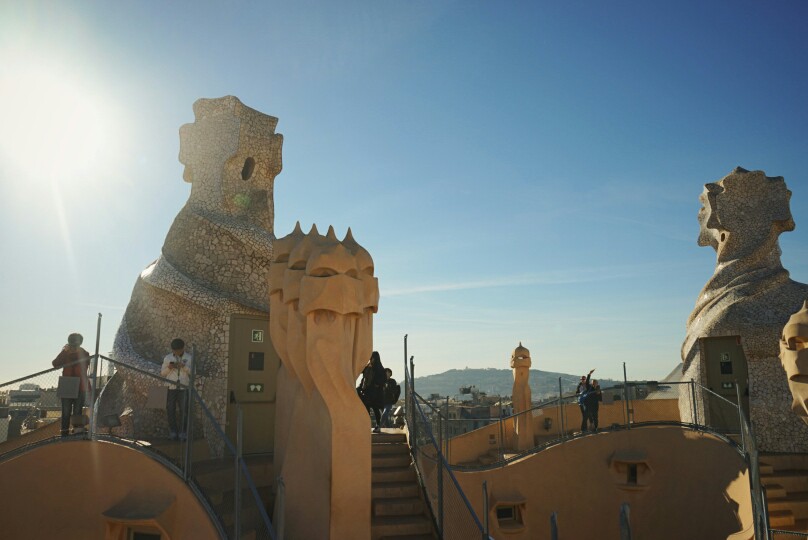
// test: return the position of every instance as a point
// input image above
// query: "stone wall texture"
(749, 295)
(214, 262)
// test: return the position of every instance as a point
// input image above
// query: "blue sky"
(520, 171)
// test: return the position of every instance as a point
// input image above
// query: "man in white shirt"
(177, 368)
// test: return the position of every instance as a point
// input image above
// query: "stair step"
(797, 502)
(791, 479)
(398, 507)
(389, 448)
(785, 461)
(399, 525)
(389, 435)
(775, 491)
(765, 468)
(391, 460)
(781, 518)
(395, 474)
(394, 490)
(410, 537)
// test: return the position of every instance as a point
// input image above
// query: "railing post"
(237, 493)
(189, 415)
(625, 522)
(486, 527)
(412, 372)
(695, 409)
(561, 409)
(279, 505)
(501, 432)
(414, 426)
(406, 384)
(446, 450)
(554, 526)
(740, 416)
(94, 384)
(440, 485)
(628, 399)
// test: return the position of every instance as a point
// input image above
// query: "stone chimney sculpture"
(214, 262)
(322, 299)
(794, 357)
(750, 295)
(523, 423)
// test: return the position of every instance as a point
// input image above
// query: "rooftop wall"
(65, 489)
(687, 485)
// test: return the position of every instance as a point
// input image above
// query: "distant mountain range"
(543, 384)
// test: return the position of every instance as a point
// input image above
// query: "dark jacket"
(593, 398)
(391, 391)
(371, 388)
(583, 390)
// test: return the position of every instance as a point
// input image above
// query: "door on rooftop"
(252, 376)
(725, 365)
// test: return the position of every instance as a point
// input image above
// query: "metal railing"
(212, 465)
(778, 534)
(452, 512)
(559, 420)
(629, 405)
(33, 410)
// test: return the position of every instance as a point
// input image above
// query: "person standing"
(592, 404)
(582, 391)
(177, 368)
(391, 393)
(372, 387)
(75, 361)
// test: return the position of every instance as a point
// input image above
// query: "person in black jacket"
(592, 404)
(582, 391)
(391, 393)
(371, 389)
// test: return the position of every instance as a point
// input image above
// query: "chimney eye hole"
(247, 170)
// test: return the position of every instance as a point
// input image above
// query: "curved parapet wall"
(679, 483)
(214, 261)
(94, 489)
(322, 298)
(750, 296)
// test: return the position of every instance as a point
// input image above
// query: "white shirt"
(180, 372)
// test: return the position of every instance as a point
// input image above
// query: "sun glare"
(53, 124)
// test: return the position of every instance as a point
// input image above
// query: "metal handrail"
(442, 460)
(193, 394)
(515, 456)
(46, 371)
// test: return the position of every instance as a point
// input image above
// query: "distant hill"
(493, 381)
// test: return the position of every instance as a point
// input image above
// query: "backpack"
(391, 391)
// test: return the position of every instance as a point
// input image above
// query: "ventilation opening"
(506, 512)
(632, 474)
(509, 517)
(249, 167)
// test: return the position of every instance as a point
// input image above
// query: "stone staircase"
(785, 477)
(398, 511)
(215, 477)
